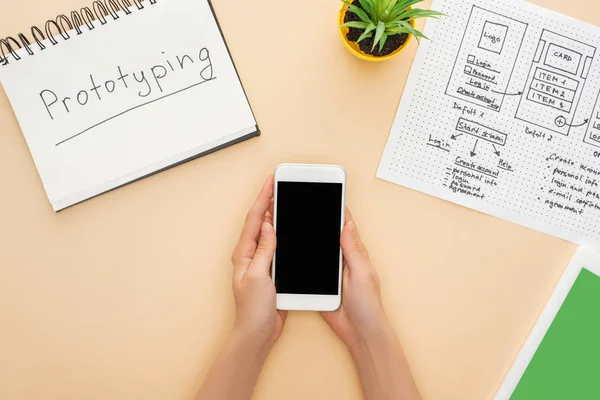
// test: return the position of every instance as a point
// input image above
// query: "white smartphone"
(308, 219)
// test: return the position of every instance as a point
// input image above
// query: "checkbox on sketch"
(598, 116)
(468, 69)
(471, 59)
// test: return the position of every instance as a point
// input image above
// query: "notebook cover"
(220, 147)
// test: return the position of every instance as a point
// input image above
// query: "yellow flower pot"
(355, 49)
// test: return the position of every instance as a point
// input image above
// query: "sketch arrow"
(519, 93)
(561, 121)
(496, 152)
(474, 147)
(578, 125)
(453, 137)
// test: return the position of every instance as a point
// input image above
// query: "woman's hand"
(362, 325)
(361, 315)
(360, 322)
(256, 315)
(258, 324)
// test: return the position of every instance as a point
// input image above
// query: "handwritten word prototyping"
(141, 83)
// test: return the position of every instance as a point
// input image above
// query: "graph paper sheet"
(501, 113)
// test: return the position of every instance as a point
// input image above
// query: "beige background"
(127, 296)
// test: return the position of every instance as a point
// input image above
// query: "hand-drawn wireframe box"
(493, 37)
(480, 131)
(592, 135)
(552, 90)
(556, 80)
(486, 58)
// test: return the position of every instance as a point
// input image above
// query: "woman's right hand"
(361, 315)
(361, 323)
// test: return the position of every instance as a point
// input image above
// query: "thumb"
(261, 263)
(355, 252)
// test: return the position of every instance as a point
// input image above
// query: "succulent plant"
(384, 18)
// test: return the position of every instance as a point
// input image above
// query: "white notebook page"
(127, 98)
(501, 113)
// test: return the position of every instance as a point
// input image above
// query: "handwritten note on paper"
(135, 95)
(124, 84)
(501, 113)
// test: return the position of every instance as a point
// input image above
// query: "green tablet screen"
(566, 365)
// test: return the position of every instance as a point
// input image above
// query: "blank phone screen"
(308, 237)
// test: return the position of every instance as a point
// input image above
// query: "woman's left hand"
(256, 315)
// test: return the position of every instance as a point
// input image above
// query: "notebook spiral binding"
(63, 24)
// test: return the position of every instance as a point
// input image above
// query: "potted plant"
(377, 30)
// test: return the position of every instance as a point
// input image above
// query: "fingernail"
(351, 227)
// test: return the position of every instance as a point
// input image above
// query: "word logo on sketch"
(556, 80)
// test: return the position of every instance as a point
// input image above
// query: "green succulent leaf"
(395, 31)
(405, 4)
(368, 6)
(418, 13)
(378, 33)
(391, 24)
(364, 35)
(370, 27)
(411, 29)
(356, 24)
(367, 33)
(361, 14)
(401, 7)
(387, 7)
(377, 10)
(382, 41)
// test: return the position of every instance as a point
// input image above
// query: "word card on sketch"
(501, 113)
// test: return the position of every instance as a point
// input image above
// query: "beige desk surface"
(127, 296)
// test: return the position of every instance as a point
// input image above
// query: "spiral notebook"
(121, 90)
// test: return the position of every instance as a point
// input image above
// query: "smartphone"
(308, 219)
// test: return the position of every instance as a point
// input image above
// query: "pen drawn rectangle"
(539, 50)
(492, 58)
(481, 131)
(592, 135)
(562, 67)
(493, 37)
(562, 59)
